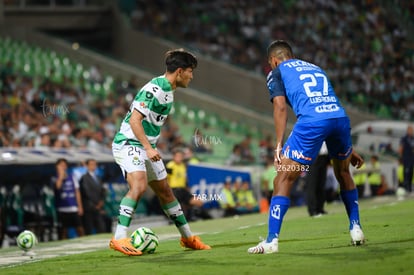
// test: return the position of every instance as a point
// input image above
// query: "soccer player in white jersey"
(134, 150)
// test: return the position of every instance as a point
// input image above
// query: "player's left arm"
(280, 119)
(277, 92)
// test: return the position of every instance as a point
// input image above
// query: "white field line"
(75, 246)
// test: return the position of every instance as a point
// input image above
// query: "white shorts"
(133, 158)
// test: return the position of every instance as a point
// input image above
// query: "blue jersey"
(66, 196)
(307, 90)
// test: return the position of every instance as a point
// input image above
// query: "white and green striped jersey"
(154, 101)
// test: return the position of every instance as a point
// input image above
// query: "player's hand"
(356, 160)
(80, 211)
(153, 154)
(61, 172)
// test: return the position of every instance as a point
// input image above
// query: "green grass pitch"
(306, 245)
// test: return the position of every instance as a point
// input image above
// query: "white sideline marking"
(253, 225)
(15, 257)
(75, 246)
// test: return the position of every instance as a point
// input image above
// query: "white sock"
(121, 232)
(175, 213)
(126, 210)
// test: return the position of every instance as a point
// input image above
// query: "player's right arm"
(61, 175)
(356, 160)
(138, 130)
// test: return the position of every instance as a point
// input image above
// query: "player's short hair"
(87, 161)
(177, 151)
(280, 49)
(58, 161)
(179, 58)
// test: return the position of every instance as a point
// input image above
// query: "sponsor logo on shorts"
(136, 161)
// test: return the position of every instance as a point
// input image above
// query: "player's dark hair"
(88, 161)
(179, 58)
(61, 160)
(280, 49)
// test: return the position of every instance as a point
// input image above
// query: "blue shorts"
(306, 139)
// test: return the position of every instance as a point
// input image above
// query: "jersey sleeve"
(75, 182)
(275, 84)
(142, 102)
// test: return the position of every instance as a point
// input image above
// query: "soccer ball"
(400, 193)
(26, 240)
(144, 239)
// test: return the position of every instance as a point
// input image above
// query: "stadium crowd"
(365, 47)
(61, 114)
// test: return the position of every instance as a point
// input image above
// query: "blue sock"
(279, 205)
(350, 199)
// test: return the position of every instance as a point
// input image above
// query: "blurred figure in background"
(331, 185)
(268, 176)
(68, 200)
(374, 175)
(235, 156)
(228, 200)
(246, 201)
(406, 152)
(93, 197)
(200, 143)
(315, 184)
(246, 155)
(177, 179)
(360, 178)
(400, 173)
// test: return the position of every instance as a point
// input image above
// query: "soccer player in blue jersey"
(306, 88)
